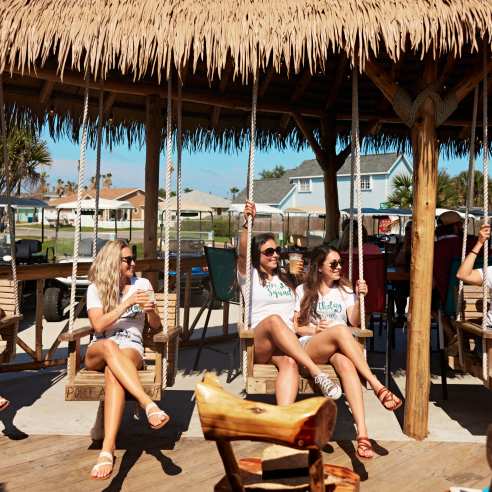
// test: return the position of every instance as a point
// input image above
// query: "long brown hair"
(105, 273)
(256, 244)
(313, 281)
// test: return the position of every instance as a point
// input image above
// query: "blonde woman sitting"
(118, 303)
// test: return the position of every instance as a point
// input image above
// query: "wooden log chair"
(159, 355)
(305, 426)
(471, 333)
(9, 321)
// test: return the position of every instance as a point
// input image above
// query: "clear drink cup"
(296, 263)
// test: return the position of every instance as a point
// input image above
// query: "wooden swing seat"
(261, 378)
(9, 323)
(85, 385)
(470, 326)
(306, 425)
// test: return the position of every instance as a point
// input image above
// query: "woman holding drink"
(325, 306)
(272, 302)
(118, 303)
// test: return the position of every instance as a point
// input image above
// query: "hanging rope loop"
(98, 172)
(358, 191)
(10, 210)
(80, 185)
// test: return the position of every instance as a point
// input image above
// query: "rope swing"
(10, 212)
(250, 186)
(358, 192)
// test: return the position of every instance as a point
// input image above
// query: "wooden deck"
(55, 463)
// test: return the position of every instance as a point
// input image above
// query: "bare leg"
(273, 333)
(114, 404)
(353, 391)
(339, 339)
(287, 382)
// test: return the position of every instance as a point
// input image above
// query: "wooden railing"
(42, 272)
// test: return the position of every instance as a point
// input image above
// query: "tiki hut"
(419, 63)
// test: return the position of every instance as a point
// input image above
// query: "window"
(365, 183)
(304, 185)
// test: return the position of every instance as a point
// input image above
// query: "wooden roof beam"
(224, 81)
(338, 81)
(299, 91)
(46, 91)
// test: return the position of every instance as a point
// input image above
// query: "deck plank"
(47, 463)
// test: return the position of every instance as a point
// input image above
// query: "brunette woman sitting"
(326, 305)
(118, 304)
(272, 302)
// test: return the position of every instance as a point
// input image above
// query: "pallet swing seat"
(160, 349)
(473, 301)
(10, 316)
(261, 378)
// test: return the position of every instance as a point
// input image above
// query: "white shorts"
(124, 340)
(304, 340)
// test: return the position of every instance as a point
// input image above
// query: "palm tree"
(43, 182)
(402, 195)
(277, 172)
(70, 187)
(461, 186)
(107, 180)
(446, 196)
(60, 187)
(234, 190)
(26, 152)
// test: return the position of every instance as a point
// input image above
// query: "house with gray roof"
(302, 189)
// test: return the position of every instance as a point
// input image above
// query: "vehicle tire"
(53, 309)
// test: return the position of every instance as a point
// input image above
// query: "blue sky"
(214, 172)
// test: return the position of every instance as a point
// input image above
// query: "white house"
(302, 188)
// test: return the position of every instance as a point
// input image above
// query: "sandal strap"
(102, 463)
(106, 454)
(385, 395)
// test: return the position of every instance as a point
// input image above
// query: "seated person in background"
(271, 313)
(472, 276)
(118, 303)
(325, 306)
(368, 248)
(402, 262)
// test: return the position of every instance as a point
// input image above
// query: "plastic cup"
(295, 263)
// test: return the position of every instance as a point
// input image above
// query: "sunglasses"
(335, 263)
(129, 259)
(269, 252)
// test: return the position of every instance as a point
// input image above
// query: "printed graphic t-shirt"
(489, 285)
(133, 320)
(332, 306)
(273, 298)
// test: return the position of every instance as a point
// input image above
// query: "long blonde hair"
(105, 273)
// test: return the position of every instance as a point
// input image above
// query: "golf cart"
(57, 291)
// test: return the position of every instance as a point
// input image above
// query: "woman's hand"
(361, 288)
(484, 234)
(139, 297)
(249, 211)
(323, 324)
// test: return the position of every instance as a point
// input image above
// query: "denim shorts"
(124, 340)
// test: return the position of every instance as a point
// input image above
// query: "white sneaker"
(328, 387)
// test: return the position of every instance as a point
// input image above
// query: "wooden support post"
(225, 319)
(316, 472)
(230, 465)
(187, 301)
(153, 147)
(39, 318)
(425, 157)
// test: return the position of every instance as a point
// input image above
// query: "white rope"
(80, 184)
(179, 187)
(351, 218)
(251, 173)
(469, 197)
(98, 173)
(10, 212)
(167, 220)
(485, 209)
(356, 152)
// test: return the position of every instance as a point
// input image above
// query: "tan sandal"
(108, 460)
(159, 412)
(364, 445)
(386, 396)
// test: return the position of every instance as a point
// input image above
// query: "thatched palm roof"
(303, 49)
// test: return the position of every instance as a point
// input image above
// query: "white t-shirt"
(273, 298)
(133, 320)
(489, 285)
(331, 306)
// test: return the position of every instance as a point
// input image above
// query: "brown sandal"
(386, 396)
(364, 445)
